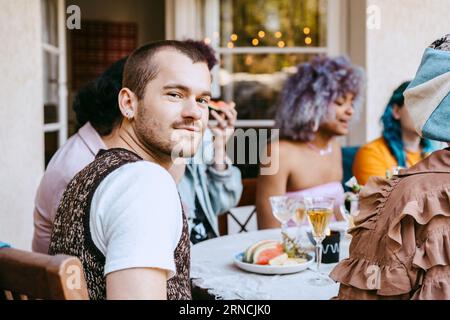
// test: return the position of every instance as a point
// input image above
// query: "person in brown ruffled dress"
(401, 240)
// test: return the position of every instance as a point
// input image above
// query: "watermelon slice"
(248, 255)
(216, 106)
(266, 252)
(219, 105)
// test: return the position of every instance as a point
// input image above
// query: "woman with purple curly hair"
(317, 105)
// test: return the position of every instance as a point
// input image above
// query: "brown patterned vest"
(71, 233)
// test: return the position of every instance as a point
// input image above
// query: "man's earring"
(129, 114)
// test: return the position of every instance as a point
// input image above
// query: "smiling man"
(121, 215)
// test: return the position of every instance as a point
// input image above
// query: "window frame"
(209, 12)
(59, 51)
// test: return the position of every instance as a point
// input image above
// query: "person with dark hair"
(399, 146)
(400, 245)
(206, 189)
(317, 105)
(97, 103)
(98, 117)
(121, 215)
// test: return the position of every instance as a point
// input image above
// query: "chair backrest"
(248, 198)
(27, 275)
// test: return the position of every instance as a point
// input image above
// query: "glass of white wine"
(319, 211)
(281, 210)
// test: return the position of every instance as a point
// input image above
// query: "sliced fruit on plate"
(248, 255)
(266, 252)
(280, 260)
(293, 261)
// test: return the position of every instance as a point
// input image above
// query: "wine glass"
(299, 215)
(319, 211)
(281, 210)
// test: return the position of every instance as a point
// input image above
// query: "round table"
(213, 271)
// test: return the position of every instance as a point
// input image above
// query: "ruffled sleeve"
(422, 209)
(372, 200)
(436, 285)
(432, 258)
(435, 250)
(415, 259)
(363, 271)
(382, 280)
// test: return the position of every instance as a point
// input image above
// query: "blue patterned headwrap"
(428, 96)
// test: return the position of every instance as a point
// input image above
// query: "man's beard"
(168, 141)
(150, 133)
(175, 145)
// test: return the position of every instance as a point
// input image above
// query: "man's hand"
(222, 132)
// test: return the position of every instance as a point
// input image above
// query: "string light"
(233, 37)
(308, 40)
(207, 40)
(281, 44)
(278, 34)
(255, 42)
(261, 34)
(306, 30)
(230, 45)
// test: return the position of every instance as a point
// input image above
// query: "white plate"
(267, 269)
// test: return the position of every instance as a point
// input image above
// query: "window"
(260, 42)
(55, 75)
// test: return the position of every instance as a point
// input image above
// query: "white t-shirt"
(136, 218)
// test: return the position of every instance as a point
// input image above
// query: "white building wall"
(21, 113)
(394, 51)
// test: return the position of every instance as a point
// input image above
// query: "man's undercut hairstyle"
(207, 50)
(140, 68)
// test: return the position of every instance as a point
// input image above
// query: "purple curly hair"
(308, 94)
(206, 50)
